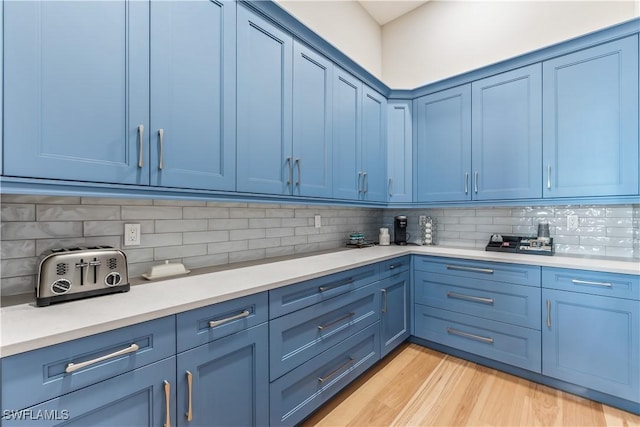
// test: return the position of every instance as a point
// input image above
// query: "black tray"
(521, 245)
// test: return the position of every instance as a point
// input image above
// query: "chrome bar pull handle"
(480, 338)
(288, 162)
(334, 372)
(475, 183)
(548, 313)
(360, 187)
(326, 325)
(344, 282)
(366, 182)
(161, 137)
(549, 177)
(471, 269)
(72, 367)
(466, 183)
(167, 399)
(299, 173)
(384, 300)
(472, 298)
(390, 187)
(214, 323)
(587, 282)
(141, 153)
(189, 413)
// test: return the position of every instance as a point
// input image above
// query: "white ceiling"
(384, 11)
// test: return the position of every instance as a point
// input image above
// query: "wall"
(443, 38)
(199, 234)
(344, 24)
(604, 231)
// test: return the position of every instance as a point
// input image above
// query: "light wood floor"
(416, 386)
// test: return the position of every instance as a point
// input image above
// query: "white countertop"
(26, 327)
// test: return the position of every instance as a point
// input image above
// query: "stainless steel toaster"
(72, 273)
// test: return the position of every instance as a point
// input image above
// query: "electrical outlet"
(572, 222)
(317, 221)
(131, 234)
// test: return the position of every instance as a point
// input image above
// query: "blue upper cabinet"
(312, 138)
(374, 146)
(507, 135)
(347, 113)
(442, 167)
(399, 151)
(591, 121)
(264, 110)
(76, 90)
(193, 75)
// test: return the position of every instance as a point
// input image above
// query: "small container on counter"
(383, 238)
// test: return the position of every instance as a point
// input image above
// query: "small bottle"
(384, 238)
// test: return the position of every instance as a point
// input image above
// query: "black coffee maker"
(400, 230)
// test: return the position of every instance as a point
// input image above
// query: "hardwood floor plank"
(416, 386)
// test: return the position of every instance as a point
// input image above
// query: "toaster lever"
(82, 265)
(95, 264)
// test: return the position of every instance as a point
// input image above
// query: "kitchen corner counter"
(25, 327)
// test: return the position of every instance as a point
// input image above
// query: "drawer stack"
(485, 308)
(323, 334)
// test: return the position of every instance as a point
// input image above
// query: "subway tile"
(161, 239)
(138, 255)
(205, 212)
(17, 212)
(627, 232)
(620, 252)
(168, 252)
(228, 224)
(257, 233)
(140, 268)
(19, 266)
(264, 222)
(205, 261)
(40, 230)
(511, 220)
(293, 240)
(18, 285)
(151, 212)
(279, 213)
(279, 251)
(76, 212)
(52, 200)
(580, 250)
(619, 211)
(279, 232)
(115, 201)
(180, 225)
(17, 249)
(606, 241)
(205, 237)
(476, 220)
(227, 204)
(230, 246)
(491, 212)
(264, 243)
(249, 255)
(460, 227)
(247, 213)
(183, 202)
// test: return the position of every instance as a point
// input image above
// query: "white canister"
(384, 239)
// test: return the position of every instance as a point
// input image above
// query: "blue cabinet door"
(592, 341)
(264, 89)
(399, 151)
(76, 90)
(144, 397)
(442, 168)
(312, 139)
(591, 121)
(229, 383)
(394, 323)
(193, 94)
(374, 146)
(507, 135)
(347, 116)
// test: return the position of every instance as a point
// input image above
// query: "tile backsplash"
(201, 234)
(603, 230)
(196, 233)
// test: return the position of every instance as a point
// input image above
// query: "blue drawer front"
(514, 304)
(509, 344)
(394, 266)
(135, 399)
(39, 375)
(294, 297)
(497, 271)
(193, 326)
(299, 336)
(592, 282)
(300, 392)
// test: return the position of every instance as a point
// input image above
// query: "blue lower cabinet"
(395, 313)
(592, 341)
(297, 394)
(301, 335)
(144, 397)
(225, 382)
(510, 344)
